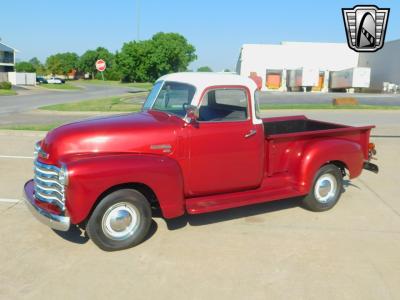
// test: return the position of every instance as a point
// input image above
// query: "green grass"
(64, 86)
(326, 106)
(140, 85)
(110, 104)
(33, 127)
(7, 92)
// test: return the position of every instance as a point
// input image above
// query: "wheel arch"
(345, 154)
(338, 163)
(144, 189)
(158, 178)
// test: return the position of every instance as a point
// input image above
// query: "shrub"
(5, 85)
(109, 74)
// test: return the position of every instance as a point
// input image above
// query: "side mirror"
(192, 114)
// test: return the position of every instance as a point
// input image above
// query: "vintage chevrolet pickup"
(199, 145)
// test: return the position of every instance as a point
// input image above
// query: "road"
(268, 251)
(29, 100)
(32, 99)
(313, 98)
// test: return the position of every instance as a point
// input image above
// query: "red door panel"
(222, 159)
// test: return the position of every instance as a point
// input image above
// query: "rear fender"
(92, 176)
(318, 153)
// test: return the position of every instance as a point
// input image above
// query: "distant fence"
(3, 76)
(22, 78)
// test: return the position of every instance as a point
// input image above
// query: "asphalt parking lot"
(32, 98)
(268, 251)
(320, 98)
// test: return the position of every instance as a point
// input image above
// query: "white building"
(282, 64)
(7, 61)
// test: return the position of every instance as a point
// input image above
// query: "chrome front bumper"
(56, 222)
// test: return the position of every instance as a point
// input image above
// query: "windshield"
(170, 97)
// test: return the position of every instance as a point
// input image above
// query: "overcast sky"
(216, 28)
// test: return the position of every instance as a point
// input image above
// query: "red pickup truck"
(199, 145)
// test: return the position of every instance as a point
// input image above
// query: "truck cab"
(198, 145)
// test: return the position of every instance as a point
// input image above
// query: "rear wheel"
(121, 220)
(326, 190)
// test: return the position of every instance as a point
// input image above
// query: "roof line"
(15, 49)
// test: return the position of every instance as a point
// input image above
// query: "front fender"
(90, 176)
(318, 153)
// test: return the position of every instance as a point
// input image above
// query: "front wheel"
(326, 190)
(121, 220)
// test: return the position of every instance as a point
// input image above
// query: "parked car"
(199, 145)
(41, 80)
(55, 80)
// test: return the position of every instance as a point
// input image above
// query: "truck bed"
(285, 135)
(297, 125)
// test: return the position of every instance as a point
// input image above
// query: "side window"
(224, 105)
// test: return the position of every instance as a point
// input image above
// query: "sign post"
(101, 66)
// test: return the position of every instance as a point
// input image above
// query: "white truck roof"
(202, 80)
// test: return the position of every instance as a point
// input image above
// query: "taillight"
(371, 149)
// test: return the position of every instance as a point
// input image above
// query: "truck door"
(226, 148)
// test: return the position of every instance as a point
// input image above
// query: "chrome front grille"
(47, 186)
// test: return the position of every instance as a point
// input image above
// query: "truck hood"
(145, 132)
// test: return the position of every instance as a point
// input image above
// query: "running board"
(199, 205)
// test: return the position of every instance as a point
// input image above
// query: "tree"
(204, 69)
(25, 66)
(53, 64)
(87, 62)
(172, 53)
(35, 62)
(62, 63)
(32, 66)
(39, 67)
(135, 61)
(149, 59)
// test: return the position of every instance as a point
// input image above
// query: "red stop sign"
(100, 65)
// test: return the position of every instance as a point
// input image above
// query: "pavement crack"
(380, 198)
(8, 208)
(385, 136)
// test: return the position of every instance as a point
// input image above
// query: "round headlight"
(63, 175)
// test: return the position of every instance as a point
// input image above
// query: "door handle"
(250, 133)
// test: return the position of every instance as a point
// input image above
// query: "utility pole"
(137, 20)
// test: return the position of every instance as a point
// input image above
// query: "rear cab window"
(224, 105)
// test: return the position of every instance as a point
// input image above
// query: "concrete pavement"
(268, 251)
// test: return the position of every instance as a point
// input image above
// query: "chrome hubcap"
(325, 188)
(120, 221)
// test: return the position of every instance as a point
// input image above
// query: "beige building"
(384, 64)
